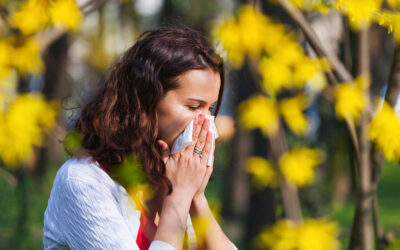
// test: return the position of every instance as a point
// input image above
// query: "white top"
(87, 209)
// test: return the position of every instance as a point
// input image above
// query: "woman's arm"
(173, 218)
(214, 238)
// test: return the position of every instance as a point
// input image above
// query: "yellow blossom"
(201, 225)
(251, 25)
(5, 56)
(391, 20)
(281, 236)
(292, 111)
(66, 13)
(318, 234)
(360, 12)
(298, 165)
(350, 99)
(228, 34)
(22, 127)
(263, 173)
(384, 131)
(395, 4)
(140, 193)
(278, 37)
(304, 70)
(289, 53)
(31, 17)
(259, 112)
(313, 234)
(276, 75)
(27, 57)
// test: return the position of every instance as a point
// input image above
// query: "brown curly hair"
(121, 120)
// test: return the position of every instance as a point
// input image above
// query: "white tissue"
(185, 138)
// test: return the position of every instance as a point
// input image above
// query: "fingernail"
(201, 116)
(195, 120)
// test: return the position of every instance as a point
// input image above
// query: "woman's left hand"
(200, 192)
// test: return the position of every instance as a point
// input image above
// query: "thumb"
(164, 149)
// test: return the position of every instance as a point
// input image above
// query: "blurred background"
(309, 146)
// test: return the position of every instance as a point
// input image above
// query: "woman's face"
(197, 93)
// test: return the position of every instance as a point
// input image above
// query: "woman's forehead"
(199, 84)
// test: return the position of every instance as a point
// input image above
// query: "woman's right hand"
(186, 169)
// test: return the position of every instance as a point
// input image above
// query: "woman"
(167, 79)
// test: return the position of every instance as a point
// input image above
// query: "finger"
(196, 131)
(212, 151)
(197, 127)
(164, 149)
(203, 135)
(207, 148)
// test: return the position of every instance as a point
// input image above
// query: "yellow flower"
(23, 127)
(313, 234)
(281, 236)
(384, 131)
(66, 13)
(395, 4)
(278, 37)
(350, 100)
(201, 226)
(304, 70)
(289, 53)
(140, 193)
(27, 57)
(263, 173)
(292, 111)
(228, 34)
(31, 17)
(276, 75)
(251, 25)
(390, 20)
(318, 234)
(298, 165)
(5, 56)
(259, 112)
(360, 12)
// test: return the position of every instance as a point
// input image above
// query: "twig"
(298, 17)
(11, 179)
(364, 207)
(343, 74)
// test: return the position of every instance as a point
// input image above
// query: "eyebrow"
(201, 101)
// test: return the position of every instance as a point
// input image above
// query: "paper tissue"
(185, 138)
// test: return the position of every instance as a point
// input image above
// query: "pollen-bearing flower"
(318, 234)
(281, 236)
(350, 100)
(391, 20)
(292, 111)
(298, 165)
(360, 12)
(263, 173)
(395, 4)
(27, 57)
(259, 112)
(276, 74)
(313, 234)
(227, 32)
(384, 131)
(23, 125)
(66, 13)
(31, 17)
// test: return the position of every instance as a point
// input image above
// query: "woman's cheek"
(182, 122)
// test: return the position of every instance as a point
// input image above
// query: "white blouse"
(87, 209)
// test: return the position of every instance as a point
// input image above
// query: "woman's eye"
(193, 107)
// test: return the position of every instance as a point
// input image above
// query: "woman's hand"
(187, 171)
(197, 130)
